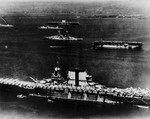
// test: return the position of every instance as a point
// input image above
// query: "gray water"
(27, 54)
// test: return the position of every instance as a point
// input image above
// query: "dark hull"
(63, 43)
(116, 45)
(14, 90)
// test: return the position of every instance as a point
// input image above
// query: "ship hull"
(116, 45)
(63, 43)
(68, 93)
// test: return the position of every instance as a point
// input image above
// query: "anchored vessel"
(63, 22)
(78, 87)
(50, 27)
(61, 40)
(56, 24)
(61, 37)
(116, 45)
(6, 25)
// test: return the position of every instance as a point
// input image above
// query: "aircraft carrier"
(116, 45)
(78, 87)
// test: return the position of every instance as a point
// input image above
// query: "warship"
(61, 40)
(63, 23)
(61, 37)
(77, 87)
(117, 45)
(50, 27)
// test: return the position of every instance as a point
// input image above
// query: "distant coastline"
(119, 16)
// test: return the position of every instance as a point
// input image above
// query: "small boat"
(116, 45)
(6, 25)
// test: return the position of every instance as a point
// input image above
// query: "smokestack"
(74, 75)
(76, 78)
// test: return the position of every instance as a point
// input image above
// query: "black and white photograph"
(74, 59)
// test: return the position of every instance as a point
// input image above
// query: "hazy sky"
(70, 0)
(62, 0)
(75, 0)
(145, 4)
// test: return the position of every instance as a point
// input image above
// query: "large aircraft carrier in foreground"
(78, 87)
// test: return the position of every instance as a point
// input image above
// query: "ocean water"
(24, 53)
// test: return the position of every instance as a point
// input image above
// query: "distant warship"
(63, 40)
(116, 45)
(50, 27)
(63, 22)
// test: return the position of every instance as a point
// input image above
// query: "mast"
(67, 35)
(57, 68)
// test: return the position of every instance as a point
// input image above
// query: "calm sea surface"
(24, 53)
